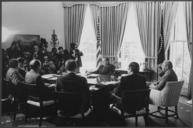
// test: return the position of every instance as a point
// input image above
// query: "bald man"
(168, 75)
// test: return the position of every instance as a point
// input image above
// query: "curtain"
(73, 23)
(188, 17)
(169, 13)
(149, 23)
(112, 23)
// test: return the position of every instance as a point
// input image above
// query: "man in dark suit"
(70, 82)
(132, 81)
(106, 68)
(168, 75)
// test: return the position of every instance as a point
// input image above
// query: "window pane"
(179, 54)
(88, 43)
(131, 49)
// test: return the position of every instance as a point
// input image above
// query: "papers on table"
(93, 76)
(93, 88)
(110, 82)
(50, 76)
(96, 82)
(92, 81)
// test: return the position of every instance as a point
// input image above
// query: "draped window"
(113, 20)
(73, 23)
(149, 23)
(188, 17)
(179, 53)
(169, 14)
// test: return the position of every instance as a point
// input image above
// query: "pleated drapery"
(188, 17)
(113, 21)
(169, 10)
(149, 23)
(73, 23)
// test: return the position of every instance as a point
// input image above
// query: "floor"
(184, 111)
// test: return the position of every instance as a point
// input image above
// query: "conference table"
(94, 81)
(101, 91)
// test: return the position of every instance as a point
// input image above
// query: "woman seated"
(12, 74)
(34, 77)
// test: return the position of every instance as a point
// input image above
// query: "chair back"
(171, 92)
(32, 91)
(69, 103)
(101, 99)
(133, 101)
(7, 88)
(20, 92)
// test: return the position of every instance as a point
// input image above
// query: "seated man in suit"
(168, 75)
(106, 68)
(70, 82)
(132, 81)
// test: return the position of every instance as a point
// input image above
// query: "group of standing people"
(52, 61)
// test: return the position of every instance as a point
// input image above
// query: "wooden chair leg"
(136, 121)
(25, 119)
(158, 108)
(176, 111)
(166, 115)
(40, 121)
(41, 113)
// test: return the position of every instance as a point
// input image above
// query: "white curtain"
(188, 17)
(169, 14)
(113, 18)
(73, 23)
(149, 23)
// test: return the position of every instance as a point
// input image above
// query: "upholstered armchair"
(165, 98)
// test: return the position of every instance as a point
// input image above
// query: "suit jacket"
(169, 75)
(70, 82)
(130, 83)
(105, 69)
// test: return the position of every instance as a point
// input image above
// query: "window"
(88, 43)
(131, 49)
(179, 53)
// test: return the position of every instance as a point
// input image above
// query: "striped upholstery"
(168, 96)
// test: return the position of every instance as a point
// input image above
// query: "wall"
(36, 18)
